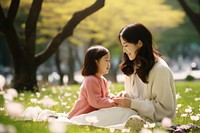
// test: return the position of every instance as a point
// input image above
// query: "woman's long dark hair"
(145, 58)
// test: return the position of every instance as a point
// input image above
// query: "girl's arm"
(96, 94)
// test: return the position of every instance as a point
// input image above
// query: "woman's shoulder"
(160, 66)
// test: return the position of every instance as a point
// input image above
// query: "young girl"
(94, 93)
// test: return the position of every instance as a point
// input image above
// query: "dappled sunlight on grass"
(60, 99)
(188, 105)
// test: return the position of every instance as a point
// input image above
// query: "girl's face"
(130, 49)
(103, 65)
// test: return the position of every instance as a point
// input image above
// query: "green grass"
(188, 92)
(66, 96)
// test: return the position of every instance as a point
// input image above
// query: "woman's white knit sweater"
(154, 100)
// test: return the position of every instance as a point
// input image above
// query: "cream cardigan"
(154, 100)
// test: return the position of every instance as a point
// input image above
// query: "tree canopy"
(42, 31)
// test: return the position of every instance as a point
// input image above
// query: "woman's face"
(130, 49)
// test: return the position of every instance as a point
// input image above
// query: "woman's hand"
(123, 102)
(121, 94)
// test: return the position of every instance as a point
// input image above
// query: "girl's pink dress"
(94, 95)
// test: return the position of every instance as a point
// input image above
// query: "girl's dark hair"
(145, 59)
(92, 54)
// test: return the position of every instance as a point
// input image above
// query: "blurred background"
(175, 36)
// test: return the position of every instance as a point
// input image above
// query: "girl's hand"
(111, 96)
(123, 102)
(121, 94)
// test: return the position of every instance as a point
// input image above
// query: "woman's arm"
(161, 99)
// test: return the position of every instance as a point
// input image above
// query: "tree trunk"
(26, 61)
(112, 76)
(25, 76)
(194, 17)
(71, 65)
(113, 71)
(57, 60)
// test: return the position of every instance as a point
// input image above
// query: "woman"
(149, 85)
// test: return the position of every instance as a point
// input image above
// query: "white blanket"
(114, 117)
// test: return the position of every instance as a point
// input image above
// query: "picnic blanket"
(114, 117)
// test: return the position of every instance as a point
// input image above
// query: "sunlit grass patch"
(188, 104)
(61, 99)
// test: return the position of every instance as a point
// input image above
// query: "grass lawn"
(188, 105)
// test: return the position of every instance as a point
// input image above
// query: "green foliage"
(189, 78)
(179, 40)
(102, 26)
(187, 98)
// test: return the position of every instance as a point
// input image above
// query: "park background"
(43, 44)
(175, 36)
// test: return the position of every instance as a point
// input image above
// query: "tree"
(193, 16)
(22, 48)
(177, 41)
(103, 27)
